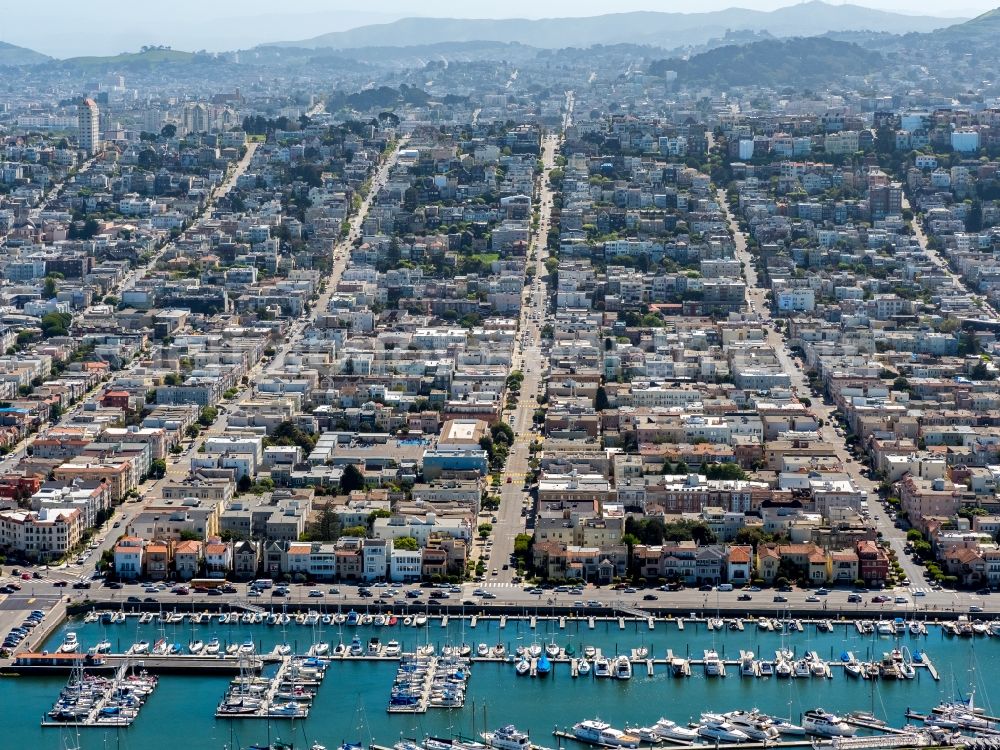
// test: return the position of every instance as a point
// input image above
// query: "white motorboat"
(419, 621)
(499, 650)
(589, 651)
(646, 735)
(196, 647)
(523, 667)
(142, 647)
(765, 668)
(102, 647)
(783, 669)
(670, 730)
(715, 727)
(786, 727)
(392, 649)
(482, 650)
(508, 738)
(825, 724)
(70, 644)
(623, 668)
(534, 650)
(597, 732)
(713, 665)
(755, 726)
(602, 667)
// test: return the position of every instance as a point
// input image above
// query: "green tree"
(189, 536)
(157, 468)
(485, 529)
(724, 471)
(352, 479)
(50, 287)
(406, 542)
(208, 416)
(601, 399)
(192, 431)
(169, 130)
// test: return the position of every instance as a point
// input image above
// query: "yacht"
(801, 668)
(597, 732)
(70, 644)
(482, 650)
(786, 727)
(212, 647)
(678, 666)
(671, 730)
(602, 667)
(523, 667)
(766, 668)
(583, 667)
(822, 723)
(392, 649)
(623, 668)
(552, 650)
(646, 735)
(507, 738)
(755, 726)
(713, 665)
(715, 727)
(783, 668)
(356, 649)
(884, 627)
(748, 667)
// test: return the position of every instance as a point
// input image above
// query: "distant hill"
(146, 57)
(11, 55)
(651, 28)
(797, 62)
(981, 28)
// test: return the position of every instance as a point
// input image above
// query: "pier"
(93, 701)
(287, 695)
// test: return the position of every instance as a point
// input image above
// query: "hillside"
(11, 55)
(984, 28)
(653, 28)
(146, 57)
(777, 63)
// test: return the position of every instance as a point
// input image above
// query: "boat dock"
(474, 621)
(287, 695)
(811, 742)
(96, 701)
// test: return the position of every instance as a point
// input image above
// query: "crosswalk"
(500, 585)
(920, 589)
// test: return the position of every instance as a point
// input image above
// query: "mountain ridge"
(664, 29)
(12, 55)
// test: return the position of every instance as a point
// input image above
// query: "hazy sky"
(101, 27)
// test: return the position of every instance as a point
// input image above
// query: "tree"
(352, 479)
(485, 529)
(601, 399)
(192, 431)
(501, 432)
(405, 542)
(157, 468)
(208, 416)
(187, 535)
(724, 471)
(50, 287)
(169, 130)
(358, 531)
(245, 483)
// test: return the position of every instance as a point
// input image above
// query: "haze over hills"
(12, 55)
(652, 28)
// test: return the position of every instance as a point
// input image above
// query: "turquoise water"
(355, 693)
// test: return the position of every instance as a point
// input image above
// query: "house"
(405, 565)
(739, 564)
(218, 558)
(246, 559)
(158, 560)
(187, 559)
(844, 566)
(129, 557)
(375, 554)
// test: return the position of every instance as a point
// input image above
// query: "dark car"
(113, 585)
(650, 597)
(62, 584)
(215, 592)
(278, 592)
(706, 587)
(439, 595)
(150, 600)
(784, 589)
(744, 598)
(780, 598)
(134, 600)
(983, 592)
(77, 585)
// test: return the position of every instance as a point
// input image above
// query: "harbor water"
(351, 702)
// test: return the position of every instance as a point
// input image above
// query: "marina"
(666, 676)
(90, 700)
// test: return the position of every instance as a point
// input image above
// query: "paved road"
(529, 359)
(821, 408)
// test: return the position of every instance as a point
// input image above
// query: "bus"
(207, 583)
